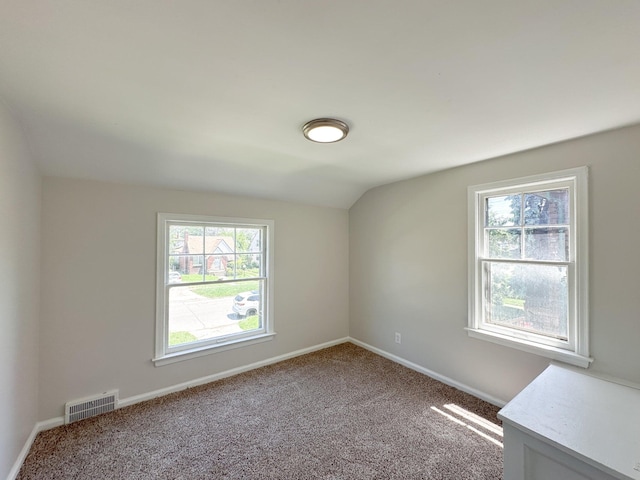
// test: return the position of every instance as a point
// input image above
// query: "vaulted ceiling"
(212, 94)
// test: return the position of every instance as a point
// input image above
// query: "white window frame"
(164, 354)
(575, 350)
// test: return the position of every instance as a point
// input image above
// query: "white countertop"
(594, 420)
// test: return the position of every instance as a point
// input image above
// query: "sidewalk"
(201, 316)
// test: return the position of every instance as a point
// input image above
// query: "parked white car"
(175, 277)
(247, 303)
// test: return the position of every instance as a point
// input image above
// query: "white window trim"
(575, 351)
(164, 355)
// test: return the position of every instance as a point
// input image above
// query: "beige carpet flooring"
(340, 413)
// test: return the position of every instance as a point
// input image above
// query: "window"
(214, 285)
(528, 284)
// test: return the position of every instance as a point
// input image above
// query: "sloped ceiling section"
(212, 95)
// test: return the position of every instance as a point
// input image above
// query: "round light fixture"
(325, 130)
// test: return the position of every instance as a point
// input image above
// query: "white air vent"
(90, 406)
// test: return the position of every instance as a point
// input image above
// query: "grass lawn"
(176, 338)
(246, 272)
(249, 323)
(514, 302)
(224, 289)
(197, 277)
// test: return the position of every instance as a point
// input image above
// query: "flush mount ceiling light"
(325, 130)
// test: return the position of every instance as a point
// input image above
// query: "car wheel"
(251, 312)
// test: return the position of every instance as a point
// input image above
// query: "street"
(201, 316)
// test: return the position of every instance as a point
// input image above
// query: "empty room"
(278, 239)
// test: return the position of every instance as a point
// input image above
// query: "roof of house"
(212, 244)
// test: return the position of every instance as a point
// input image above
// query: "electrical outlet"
(398, 338)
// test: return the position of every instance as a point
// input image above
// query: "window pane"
(503, 211)
(245, 266)
(218, 240)
(189, 267)
(186, 239)
(547, 208)
(249, 240)
(174, 276)
(547, 243)
(248, 266)
(216, 267)
(176, 238)
(205, 312)
(533, 298)
(502, 242)
(186, 269)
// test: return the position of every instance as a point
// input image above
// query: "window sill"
(554, 353)
(210, 349)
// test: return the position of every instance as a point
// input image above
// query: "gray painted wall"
(396, 262)
(19, 291)
(98, 274)
(408, 265)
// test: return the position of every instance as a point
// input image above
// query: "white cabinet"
(567, 425)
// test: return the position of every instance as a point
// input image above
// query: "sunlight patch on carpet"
(472, 418)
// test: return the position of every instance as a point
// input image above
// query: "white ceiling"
(212, 94)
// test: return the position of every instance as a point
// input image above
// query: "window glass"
(547, 208)
(548, 243)
(503, 211)
(528, 258)
(213, 283)
(528, 297)
(204, 312)
(503, 242)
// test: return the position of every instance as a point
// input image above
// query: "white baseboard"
(39, 427)
(430, 373)
(57, 421)
(49, 424)
(13, 473)
(125, 402)
(228, 373)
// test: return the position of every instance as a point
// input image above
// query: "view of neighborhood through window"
(215, 281)
(529, 264)
(526, 259)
